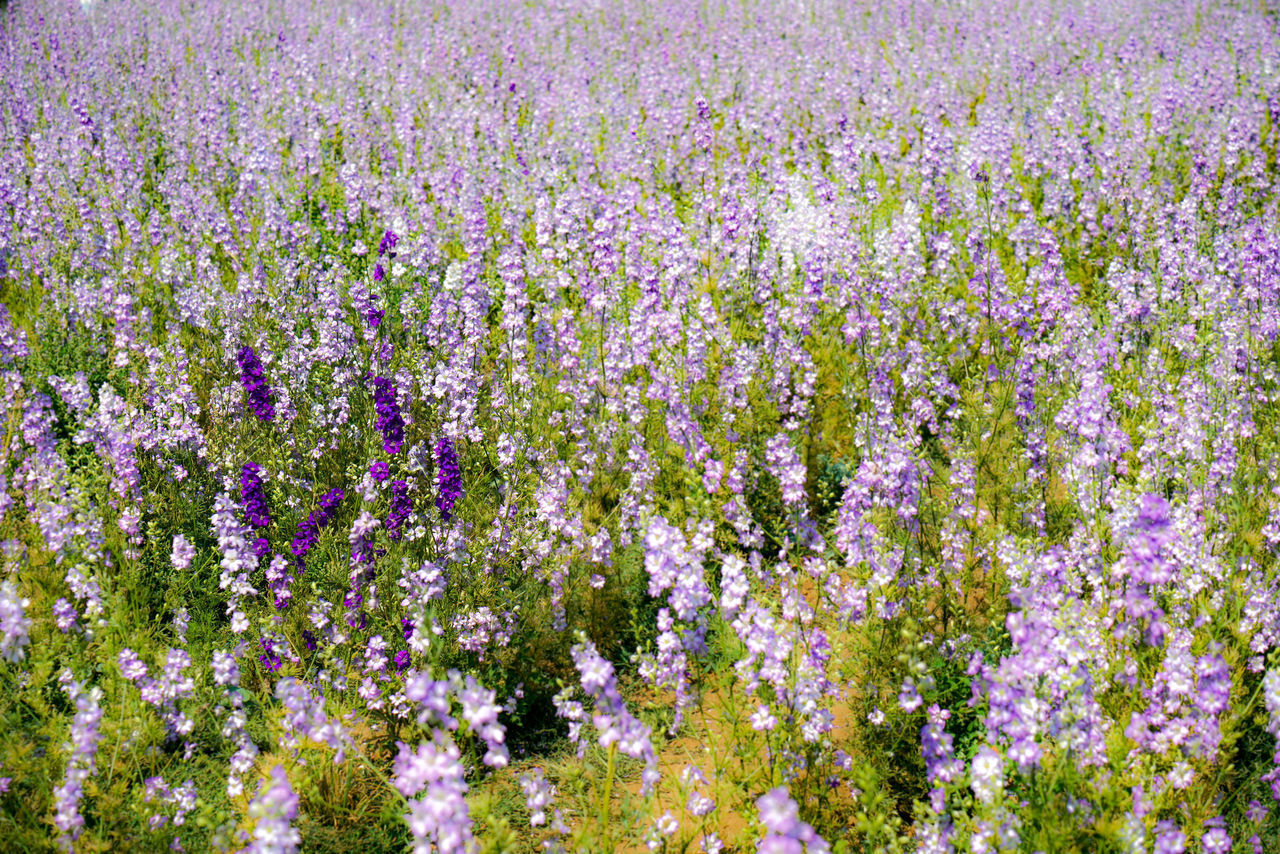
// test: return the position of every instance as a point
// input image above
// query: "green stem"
(608, 794)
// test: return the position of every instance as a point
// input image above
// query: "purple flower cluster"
(440, 817)
(401, 508)
(304, 719)
(309, 529)
(83, 748)
(785, 833)
(15, 626)
(273, 811)
(389, 421)
(227, 673)
(254, 499)
(448, 478)
(255, 384)
(612, 720)
(164, 692)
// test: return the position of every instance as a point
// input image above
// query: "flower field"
(577, 426)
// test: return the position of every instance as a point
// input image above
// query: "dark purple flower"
(380, 471)
(401, 507)
(388, 245)
(402, 659)
(389, 422)
(309, 530)
(448, 478)
(254, 497)
(255, 384)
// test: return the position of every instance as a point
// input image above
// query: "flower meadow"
(689, 427)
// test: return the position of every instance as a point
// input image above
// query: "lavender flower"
(441, 815)
(183, 553)
(785, 832)
(83, 748)
(15, 626)
(273, 811)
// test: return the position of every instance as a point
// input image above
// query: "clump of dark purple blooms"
(268, 658)
(254, 499)
(255, 385)
(448, 478)
(309, 530)
(389, 422)
(401, 507)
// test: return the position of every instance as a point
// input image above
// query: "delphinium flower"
(986, 775)
(674, 566)
(440, 817)
(481, 714)
(273, 811)
(268, 657)
(254, 499)
(255, 384)
(448, 478)
(538, 794)
(785, 464)
(227, 673)
(362, 551)
(941, 765)
(389, 421)
(309, 529)
(663, 827)
(181, 800)
(15, 626)
(612, 719)
(1271, 701)
(238, 559)
(1169, 839)
(83, 749)
(304, 719)
(698, 804)
(401, 508)
(482, 628)
(165, 691)
(1186, 699)
(183, 553)
(64, 615)
(785, 833)
(380, 470)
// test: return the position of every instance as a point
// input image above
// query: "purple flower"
(183, 552)
(84, 747)
(401, 507)
(448, 478)
(785, 832)
(388, 244)
(255, 385)
(380, 471)
(14, 623)
(273, 810)
(309, 530)
(389, 422)
(254, 497)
